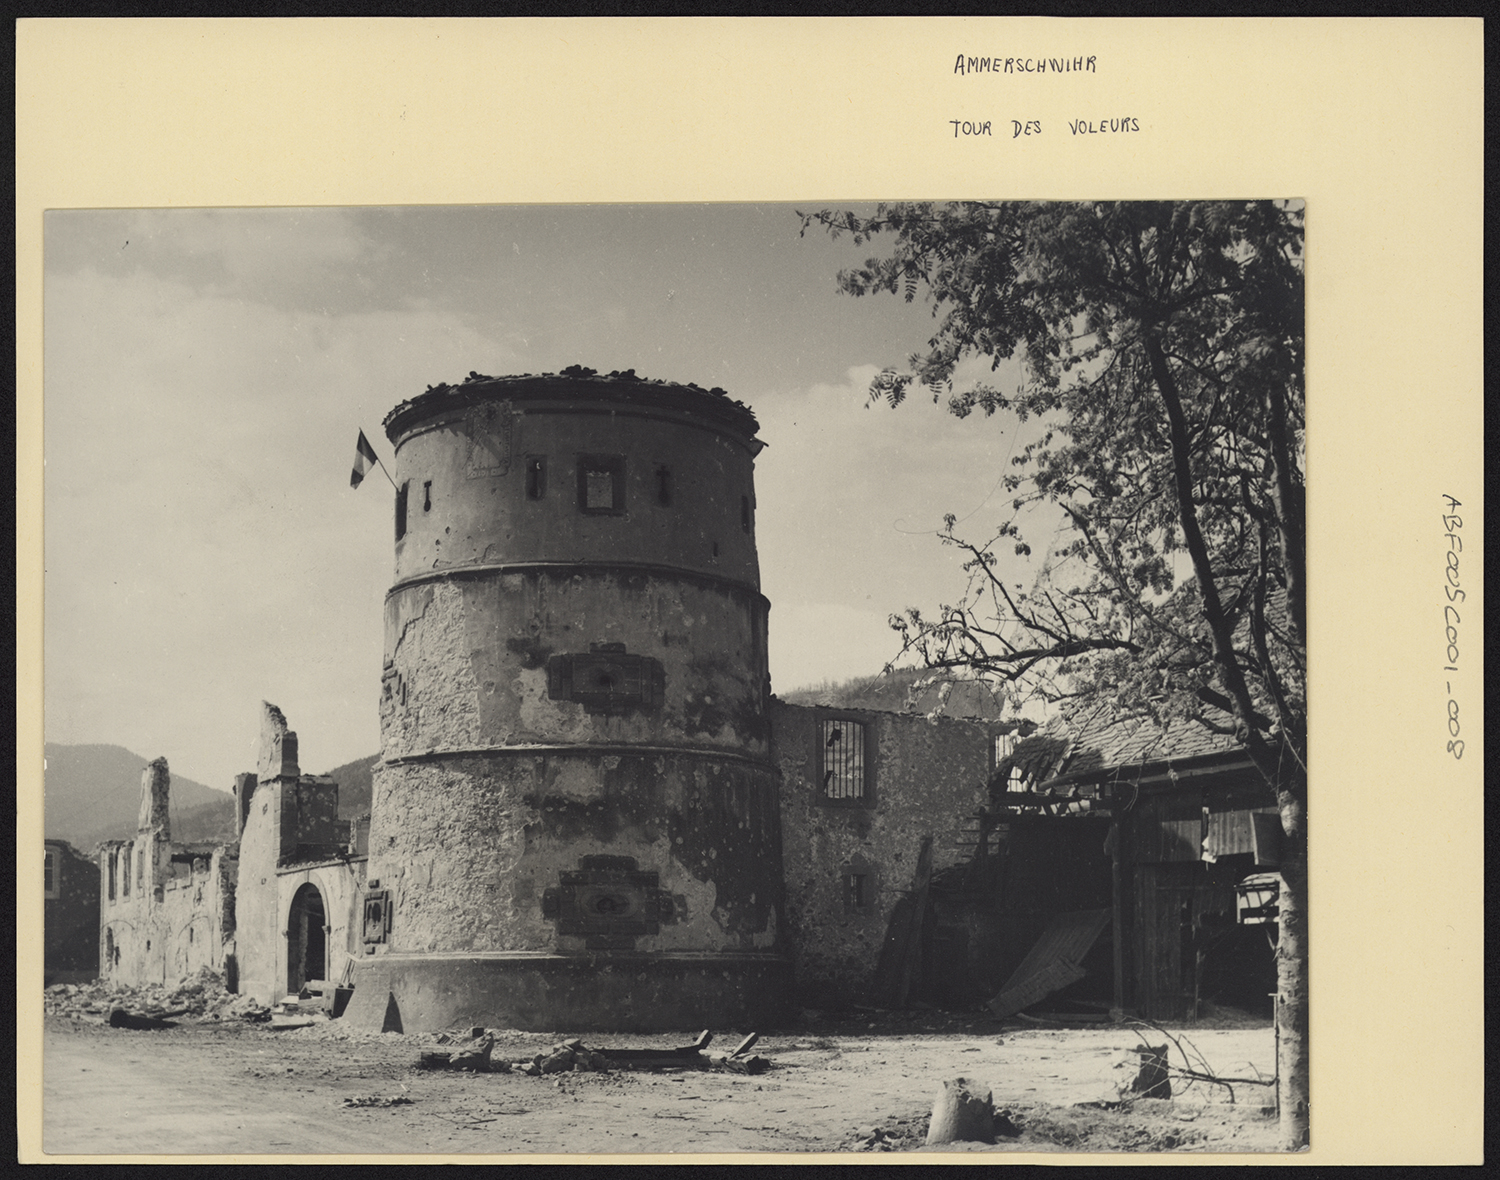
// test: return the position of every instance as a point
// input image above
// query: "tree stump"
(964, 1111)
(1152, 1080)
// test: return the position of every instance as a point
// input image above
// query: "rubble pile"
(200, 997)
(475, 1054)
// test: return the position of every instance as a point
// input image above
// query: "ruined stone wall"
(341, 885)
(924, 777)
(257, 904)
(171, 929)
(290, 837)
(270, 873)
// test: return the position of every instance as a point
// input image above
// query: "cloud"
(203, 547)
(251, 244)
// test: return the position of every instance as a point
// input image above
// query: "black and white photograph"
(667, 678)
(929, 683)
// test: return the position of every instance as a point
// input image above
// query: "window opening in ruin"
(854, 891)
(111, 955)
(841, 750)
(140, 872)
(427, 495)
(52, 874)
(664, 486)
(401, 510)
(307, 940)
(1005, 746)
(716, 549)
(114, 857)
(745, 514)
(125, 876)
(601, 484)
(536, 477)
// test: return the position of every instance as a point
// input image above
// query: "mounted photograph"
(676, 678)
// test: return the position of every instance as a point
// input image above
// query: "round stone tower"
(574, 823)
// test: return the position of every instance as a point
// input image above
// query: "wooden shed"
(1188, 820)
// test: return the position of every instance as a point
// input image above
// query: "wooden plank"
(1054, 961)
(1117, 919)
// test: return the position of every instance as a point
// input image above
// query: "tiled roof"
(1095, 740)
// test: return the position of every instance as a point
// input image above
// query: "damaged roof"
(575, 379)
(1093, 742)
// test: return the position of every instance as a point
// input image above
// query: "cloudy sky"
(206, 372)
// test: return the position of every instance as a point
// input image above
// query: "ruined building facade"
(302, 872)
(166, 910)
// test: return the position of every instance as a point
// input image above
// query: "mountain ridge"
(92, 793)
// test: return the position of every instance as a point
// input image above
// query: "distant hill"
(93, 793)
(355, 781)
(892, 693)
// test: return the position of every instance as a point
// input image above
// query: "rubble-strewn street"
(221, 1083)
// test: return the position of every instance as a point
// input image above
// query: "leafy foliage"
(1163, 350)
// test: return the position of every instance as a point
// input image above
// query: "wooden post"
(1117, 928)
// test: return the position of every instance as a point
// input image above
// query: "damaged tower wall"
(574, 821)
(916, 777)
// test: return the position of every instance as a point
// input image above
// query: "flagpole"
(386, 473)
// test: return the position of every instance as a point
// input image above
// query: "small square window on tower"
(601, 484)
(843, 762)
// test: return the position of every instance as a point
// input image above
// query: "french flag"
(364, 459)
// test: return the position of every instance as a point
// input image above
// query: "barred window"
(842, 759)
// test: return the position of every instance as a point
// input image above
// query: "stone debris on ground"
(573, 1056)
(378, 1100)
(200, 997)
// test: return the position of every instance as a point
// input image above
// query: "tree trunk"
(1292, 1070)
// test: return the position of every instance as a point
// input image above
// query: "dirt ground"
(862, 1082)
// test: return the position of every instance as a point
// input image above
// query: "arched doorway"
(307, 939)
